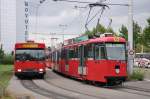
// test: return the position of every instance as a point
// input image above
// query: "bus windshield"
(29, 54)
(115, 51)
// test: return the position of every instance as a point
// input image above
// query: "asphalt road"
(55, 86)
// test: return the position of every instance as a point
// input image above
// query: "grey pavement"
(139, 84)
(17, 91)
(100, 92)
(76, 89)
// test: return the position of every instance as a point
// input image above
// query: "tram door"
(81, 60)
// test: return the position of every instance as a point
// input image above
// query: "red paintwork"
(73, 68)
(99, 69)
(48, 63)
(29, 65)
(96, 70)
(25, 65)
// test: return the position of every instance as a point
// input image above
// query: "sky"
(53, 14)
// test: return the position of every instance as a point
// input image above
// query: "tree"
(89, 33)
(137, 37)
(101, 28)
(137, 30)
(124, 32)
(146, 33)
(110, 30)
(96, 30)
(1, 54)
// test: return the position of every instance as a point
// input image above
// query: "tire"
(20, 77)
(41, 76)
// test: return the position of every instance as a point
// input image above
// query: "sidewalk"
(17, 91)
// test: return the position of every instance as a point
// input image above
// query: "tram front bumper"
(116, 79)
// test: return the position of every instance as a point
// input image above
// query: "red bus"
(101, 60)
(30, 59)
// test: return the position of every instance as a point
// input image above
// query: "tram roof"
(98, 40)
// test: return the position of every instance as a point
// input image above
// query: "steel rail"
(29, 84)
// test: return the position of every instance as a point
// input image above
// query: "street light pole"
(37, 9)
(36, 23)
(63, 29)
(130, 37)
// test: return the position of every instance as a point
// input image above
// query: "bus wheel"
(20, 77)
(41, 76)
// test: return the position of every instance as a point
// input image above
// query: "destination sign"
(30, 46)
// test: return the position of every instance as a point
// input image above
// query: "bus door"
(81, 60)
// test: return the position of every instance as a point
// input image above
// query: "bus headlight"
(19, 70)
(41, 70)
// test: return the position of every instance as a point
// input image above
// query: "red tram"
(48, 58)
(100, 59)
(29, 59)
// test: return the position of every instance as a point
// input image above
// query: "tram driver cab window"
(99, 52)
(88, 51)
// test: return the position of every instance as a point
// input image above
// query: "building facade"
(12, 23)
(8, 24)
(22, 16)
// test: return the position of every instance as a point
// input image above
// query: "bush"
(137, 75)
(7, 59)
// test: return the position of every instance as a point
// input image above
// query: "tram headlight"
(117, 71)
(19, 70)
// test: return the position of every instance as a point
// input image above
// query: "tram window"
(66, 54)
(99, 52)
(71, 53)
(58, 55)
(62, 54)
(75, 52)
(86, 52)
(89, 50)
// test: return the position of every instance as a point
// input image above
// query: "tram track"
(132, 90)
(29, 84)
(124, 88)
(98, 97)
(37, 87)
(137, 89)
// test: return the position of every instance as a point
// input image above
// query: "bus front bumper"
(29, 73)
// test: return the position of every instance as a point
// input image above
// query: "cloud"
(51, 14)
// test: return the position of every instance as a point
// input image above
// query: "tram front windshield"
(29, 54)
(115, 51)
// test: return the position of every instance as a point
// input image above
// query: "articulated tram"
(100, 59)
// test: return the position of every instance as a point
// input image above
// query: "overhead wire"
(98, 21)
(94, 15)
(88, 19)
(75, 19)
